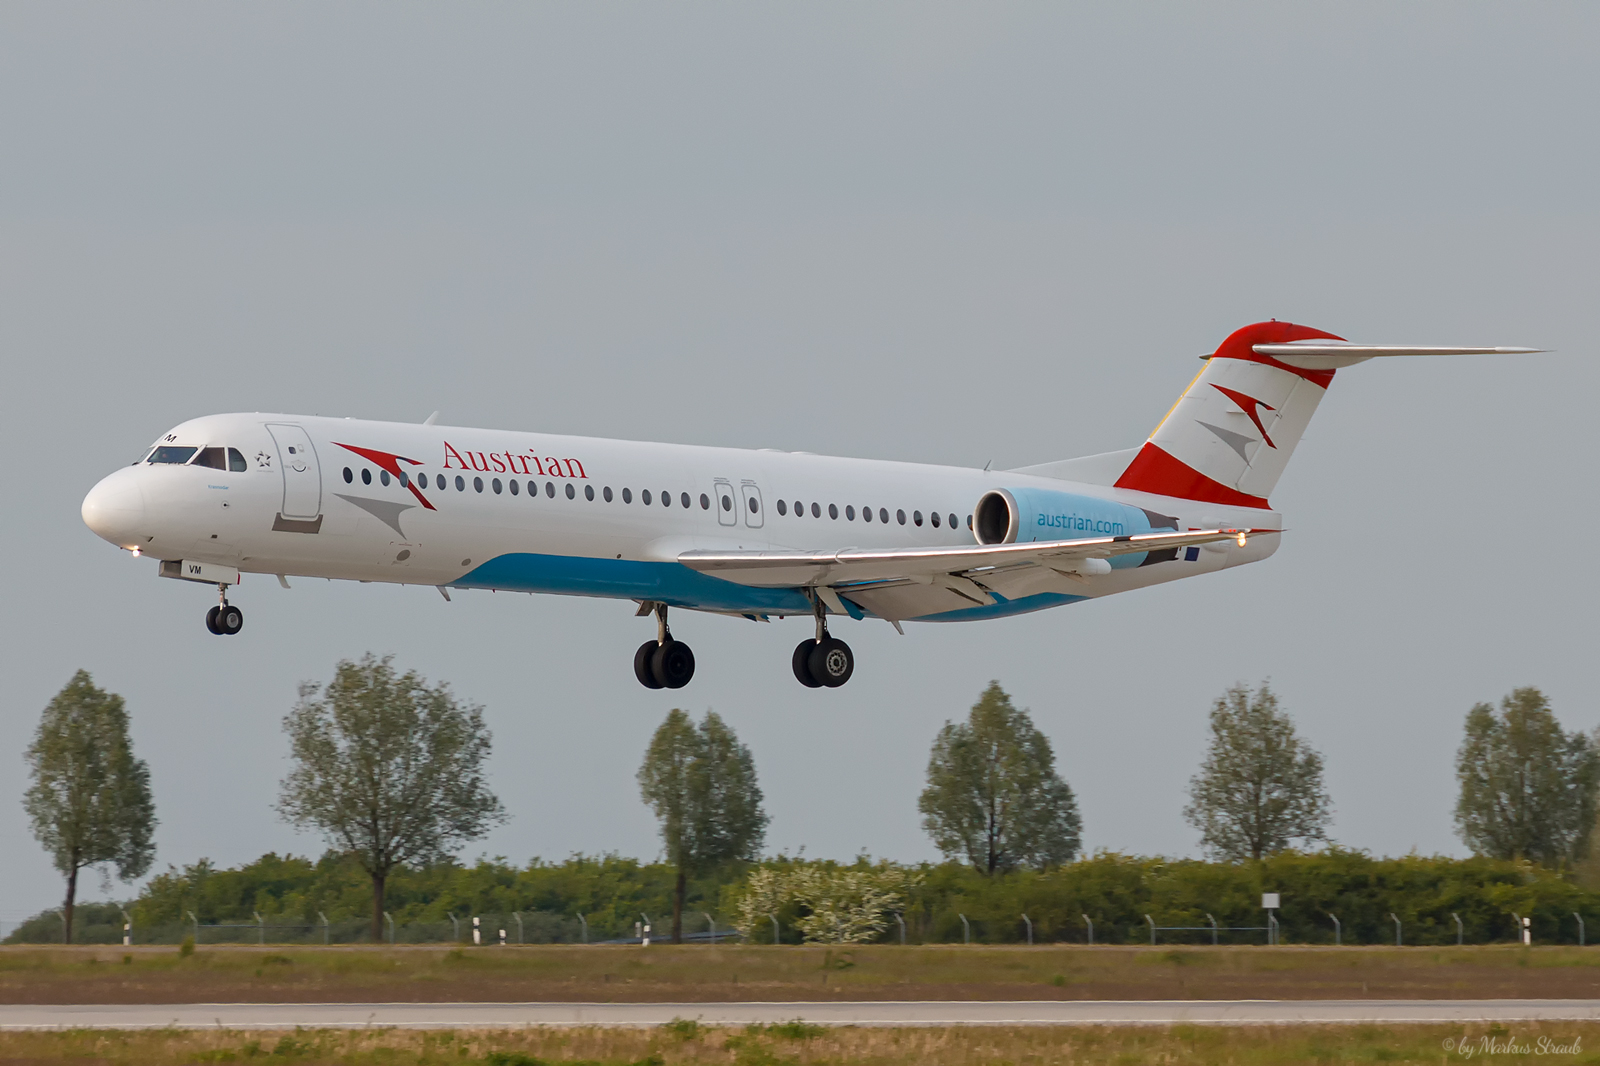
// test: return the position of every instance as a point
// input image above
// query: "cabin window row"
(867, 514)
(440, 481)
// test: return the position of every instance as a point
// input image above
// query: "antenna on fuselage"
(431, 419)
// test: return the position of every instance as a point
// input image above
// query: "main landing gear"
(825, 661)
(663, 662)
(224, 619)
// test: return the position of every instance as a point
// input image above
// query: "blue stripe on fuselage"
(679, 586)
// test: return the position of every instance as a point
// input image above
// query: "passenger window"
(850, 512)
(461, 483)
(215, 458)
(383, 476)
(495, 484)
(588, 493)
(705, 502)
(571, 492)
(550, 489)
(477, 484)
(645, 497)
(816, 510)
(916, 518)
(683, 498)
(727, 503)
(627, 495)
(514, 485)
(883, 515)
(783, 508)
(900, 516)
(666, 499)
(934, 518)
(366, 477)
(953, 522)
(799, 509)
(607, 493)
(833, 511)
(236, 461)
(866, 514)
(405, 480)
(348, 476)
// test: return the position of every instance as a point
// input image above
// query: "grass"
(678, 1043)
(702, 973)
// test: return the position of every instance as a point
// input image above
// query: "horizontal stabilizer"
(1332, 355)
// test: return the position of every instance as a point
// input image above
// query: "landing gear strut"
(825, 661)
(224, 619)
(663, 662)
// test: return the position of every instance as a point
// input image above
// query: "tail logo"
(1250, 406)
(391, 462)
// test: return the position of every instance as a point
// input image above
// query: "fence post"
(1461, 932)
(1516, 919)
(387, 920)
(1213, 922)
(1088, 921)
(1393, 918)
(127, 929)
(1272, 929)
(1578, 916)
(898, 917)
(261, 928)
(196, 922)
(645, 929)
(1152, 922)
(516, 916)
(774, 918)
(1030, 929)
(581, 921)
(455, 924)
(1338, 930)
(711, 925)
(324, 918)
(966, 930)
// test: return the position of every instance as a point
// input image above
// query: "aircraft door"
(725, 500)
(753, 516)
(302, 476)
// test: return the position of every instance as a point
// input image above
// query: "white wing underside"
(914, 582)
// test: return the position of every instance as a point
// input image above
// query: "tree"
(388, 769)
(701, 784)
(1260, 785)
(1527, 788)
(90, 799)
(993, 795)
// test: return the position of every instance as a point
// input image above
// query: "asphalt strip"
(915, 1013)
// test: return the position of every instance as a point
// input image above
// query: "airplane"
(754, 533)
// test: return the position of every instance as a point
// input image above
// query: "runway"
(912, 1013)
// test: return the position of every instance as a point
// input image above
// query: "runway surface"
(1031, 1012)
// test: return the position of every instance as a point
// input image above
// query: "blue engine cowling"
(1007, 516)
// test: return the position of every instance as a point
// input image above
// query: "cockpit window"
(216, 458)
(171, 453)
(235, 461)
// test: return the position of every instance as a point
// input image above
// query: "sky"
(949, 233)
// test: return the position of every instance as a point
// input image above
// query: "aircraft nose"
(115, 509)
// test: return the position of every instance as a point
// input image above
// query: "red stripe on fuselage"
(1154, 471)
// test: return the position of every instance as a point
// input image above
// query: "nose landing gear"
(224, 619)
(663, 662)
(825, 661)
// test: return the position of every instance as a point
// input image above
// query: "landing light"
(137, 551)
(1241, 538)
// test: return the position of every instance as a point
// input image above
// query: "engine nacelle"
(1008, 516)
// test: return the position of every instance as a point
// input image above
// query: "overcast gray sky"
(927, 232)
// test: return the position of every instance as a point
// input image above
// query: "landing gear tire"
(211, 620)
(801, 661)
(672, 664)
(831, 662)
(641, 664)
(229, 619)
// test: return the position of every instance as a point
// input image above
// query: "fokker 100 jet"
(759, 533)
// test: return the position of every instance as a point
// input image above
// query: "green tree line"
(1115, 891)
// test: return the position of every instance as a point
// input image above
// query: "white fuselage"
(538, 512)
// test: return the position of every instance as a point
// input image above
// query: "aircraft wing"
(911, 582)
